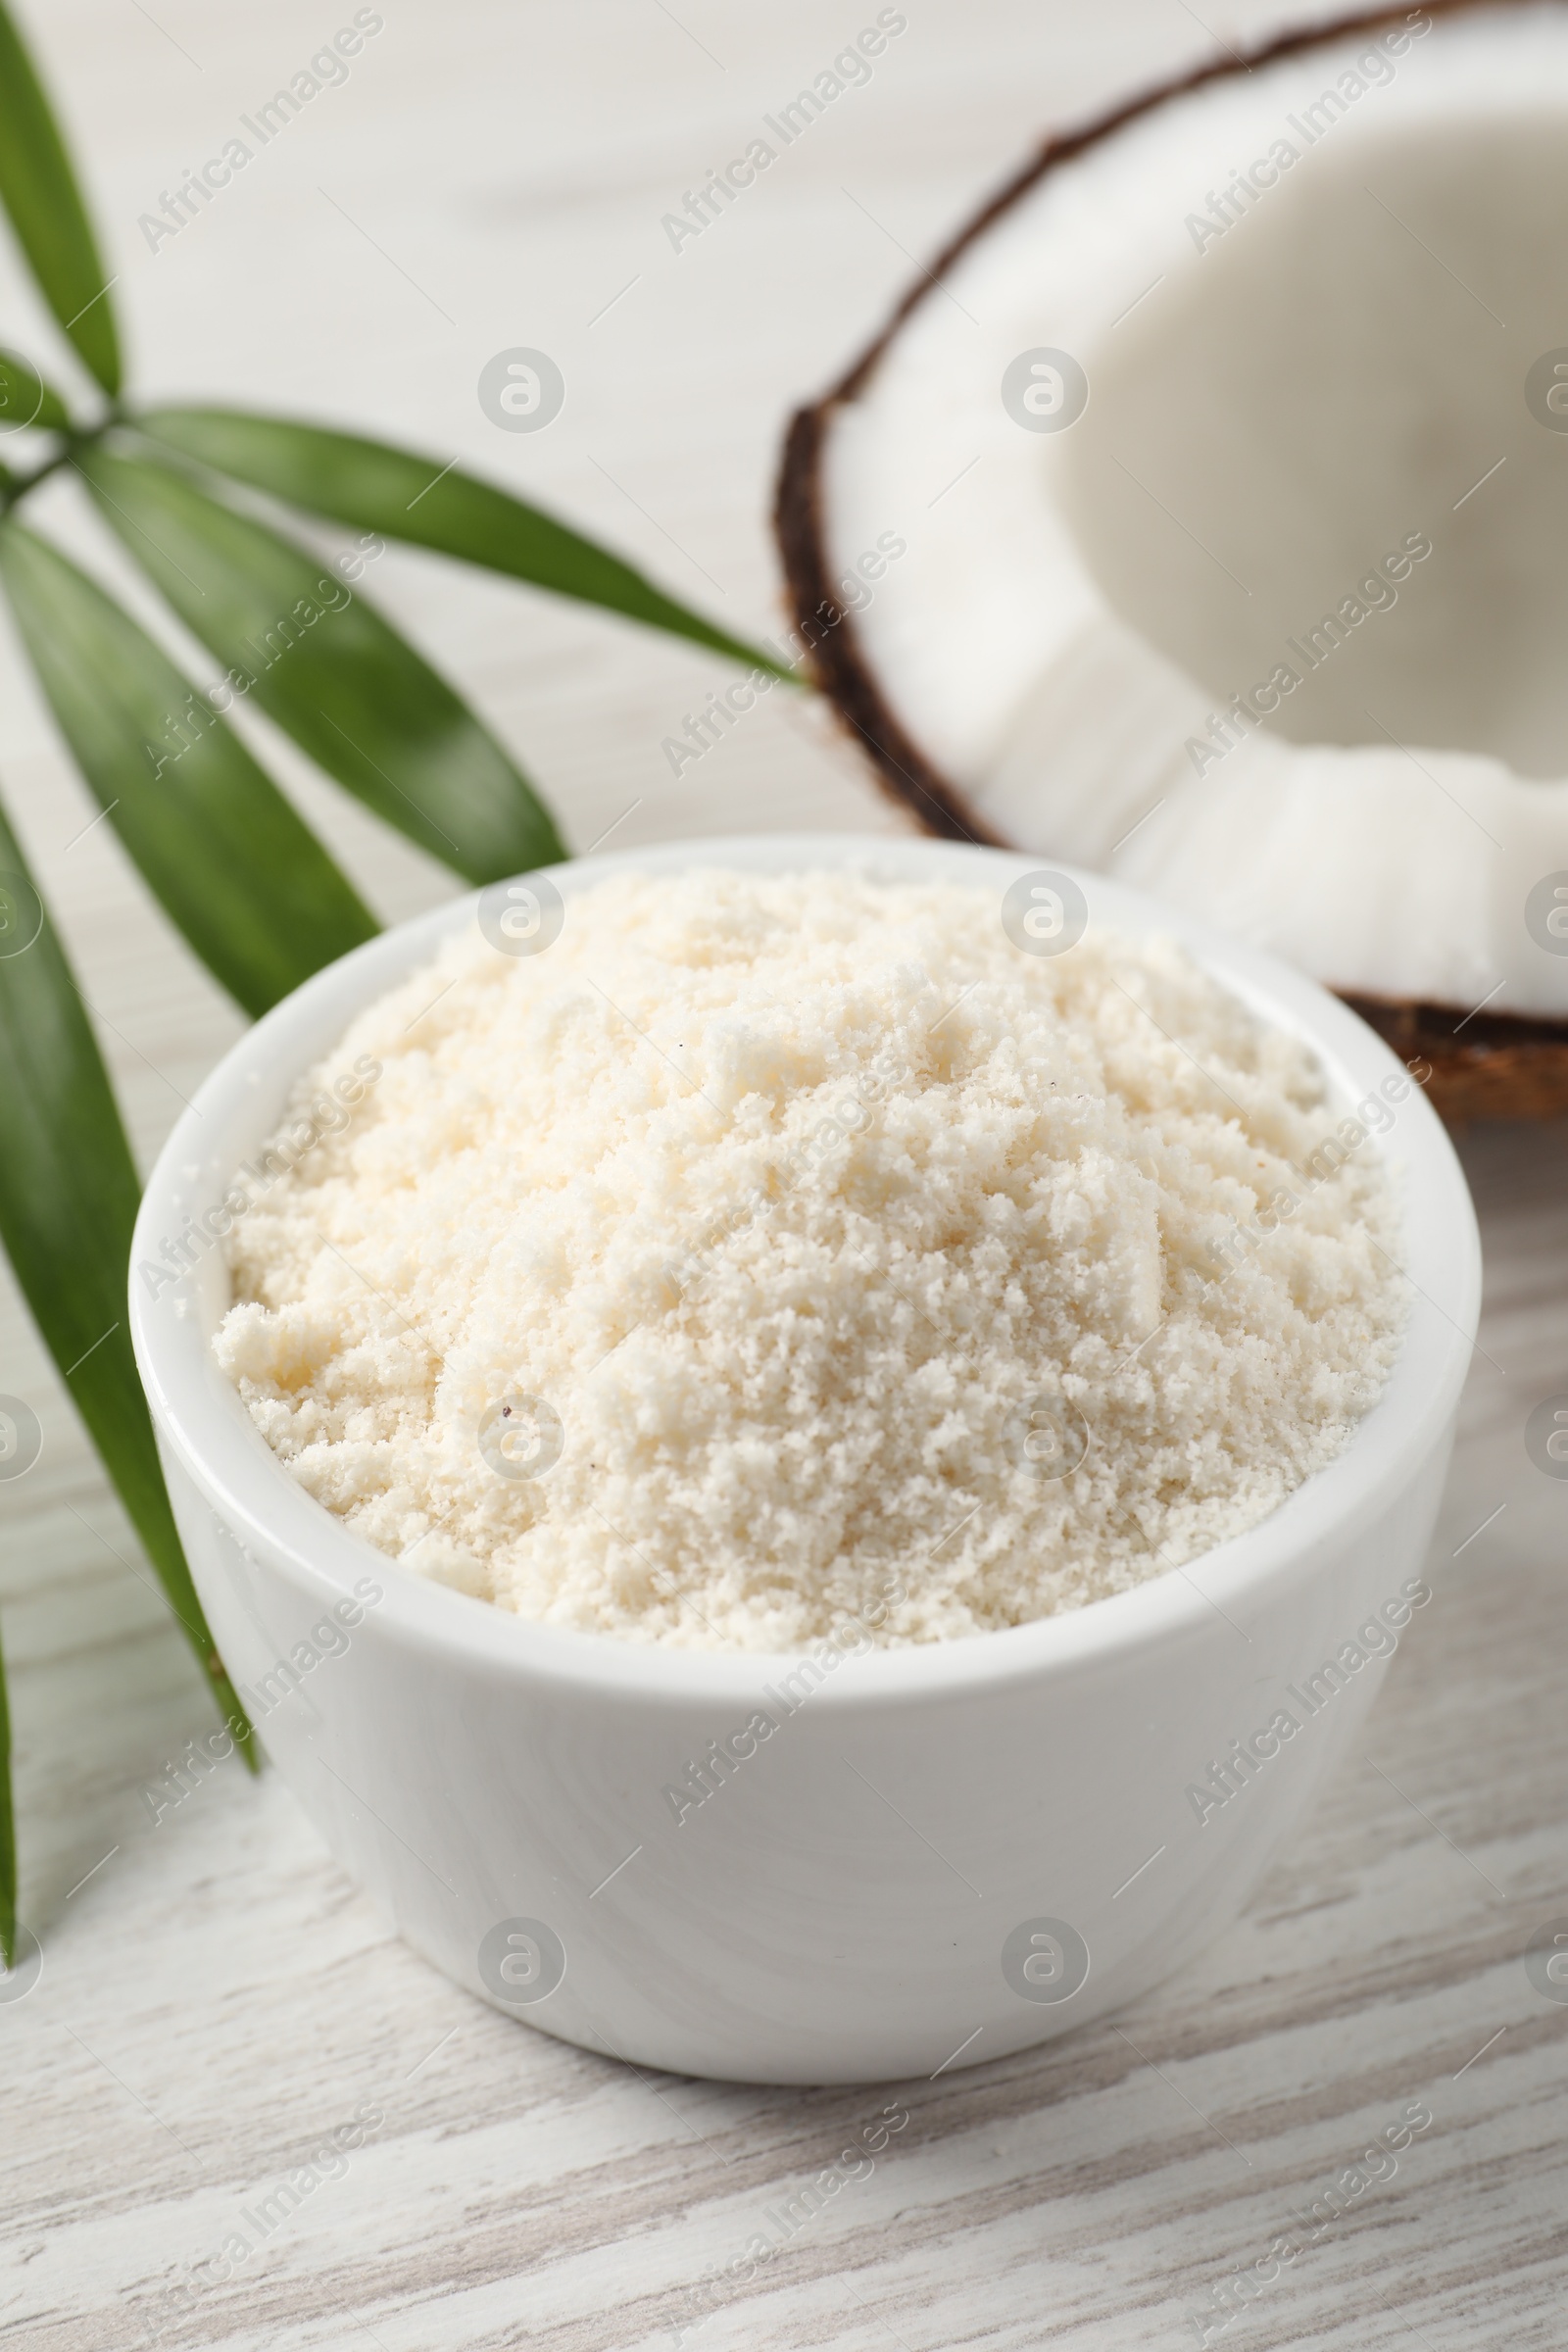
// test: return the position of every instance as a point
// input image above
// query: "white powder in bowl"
(819, 1257)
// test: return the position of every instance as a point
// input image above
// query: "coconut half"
(1228, 455)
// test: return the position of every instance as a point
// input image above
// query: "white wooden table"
(215, 2000)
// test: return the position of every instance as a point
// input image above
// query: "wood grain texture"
(215, 1999)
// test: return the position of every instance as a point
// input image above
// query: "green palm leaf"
(231, 862)
(25, 399)
(412, 497)
(39, 192)
(331, 672)
(68, 1201)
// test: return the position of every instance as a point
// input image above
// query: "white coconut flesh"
(1290, 382)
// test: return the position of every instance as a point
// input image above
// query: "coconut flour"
(767, 1254)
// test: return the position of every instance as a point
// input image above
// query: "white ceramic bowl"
(921, 1861)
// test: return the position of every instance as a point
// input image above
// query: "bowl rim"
(202, 1423)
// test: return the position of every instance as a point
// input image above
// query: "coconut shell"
(1484, 1064)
